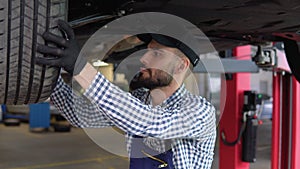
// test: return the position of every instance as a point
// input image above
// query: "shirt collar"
(175, 97)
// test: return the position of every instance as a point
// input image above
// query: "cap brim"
(170, 42)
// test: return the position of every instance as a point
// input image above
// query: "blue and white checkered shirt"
(186, 119)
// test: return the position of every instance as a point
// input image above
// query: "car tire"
(292, 51)
(11, 122)
(61, 128)
(22, 22)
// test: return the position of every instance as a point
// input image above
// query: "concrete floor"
(22, 149)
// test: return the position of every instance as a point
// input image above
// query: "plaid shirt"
(186, 119)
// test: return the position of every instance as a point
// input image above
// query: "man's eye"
(156, 52)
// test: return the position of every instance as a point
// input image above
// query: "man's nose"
(145, 58)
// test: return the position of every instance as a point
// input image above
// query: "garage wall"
(262, 82)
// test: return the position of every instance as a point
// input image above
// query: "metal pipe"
(290, 122)
(90, 19)
(280, 122)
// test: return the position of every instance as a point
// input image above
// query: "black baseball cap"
(170, 42)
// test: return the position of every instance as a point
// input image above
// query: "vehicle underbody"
(227, 24)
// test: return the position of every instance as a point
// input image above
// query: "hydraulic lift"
(231, 119)
(285, 120)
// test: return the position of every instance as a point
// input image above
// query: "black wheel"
(22, 23)
(61, 128)
(11, 122)
(292, 51)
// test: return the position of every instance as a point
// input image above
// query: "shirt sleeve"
(79, 111)
(131, 115)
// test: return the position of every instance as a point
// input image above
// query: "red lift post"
(286, 122)
(231, 119)
(295, 124)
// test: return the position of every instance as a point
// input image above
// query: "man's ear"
(183, 65)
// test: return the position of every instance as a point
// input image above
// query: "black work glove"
(66, 52)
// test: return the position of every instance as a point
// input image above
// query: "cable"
(223, 137)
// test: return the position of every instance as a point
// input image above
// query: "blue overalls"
(143, 157)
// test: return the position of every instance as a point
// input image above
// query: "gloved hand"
(66, 51)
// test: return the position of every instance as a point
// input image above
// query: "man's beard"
(161, 79)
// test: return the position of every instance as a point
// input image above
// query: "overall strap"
(143, 157)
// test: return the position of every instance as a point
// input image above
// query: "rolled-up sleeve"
(79, 111)
(188, 119)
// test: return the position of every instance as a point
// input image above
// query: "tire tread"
(23, 81)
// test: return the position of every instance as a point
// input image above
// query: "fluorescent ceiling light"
(99, 63)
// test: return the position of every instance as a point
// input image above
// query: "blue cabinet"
(39, 115)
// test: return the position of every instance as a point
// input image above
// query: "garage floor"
(22, 149)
